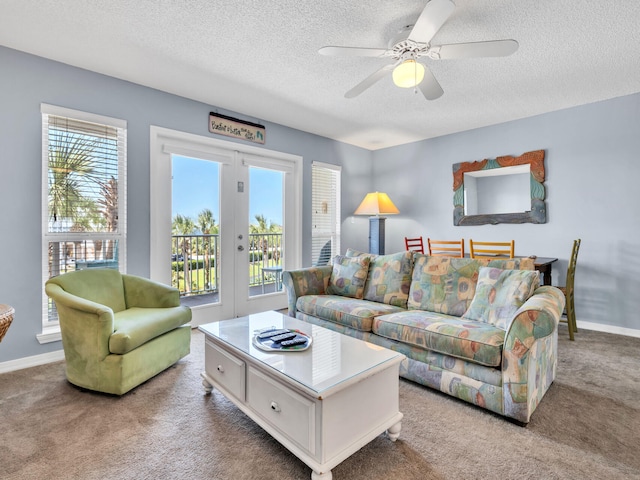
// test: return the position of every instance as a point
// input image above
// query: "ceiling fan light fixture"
(408, 74)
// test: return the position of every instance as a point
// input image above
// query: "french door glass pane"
(195, 246)
(266, 248)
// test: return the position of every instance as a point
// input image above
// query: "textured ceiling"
(259, 57)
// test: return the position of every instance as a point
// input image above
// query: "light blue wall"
(593, 171)
(591, 164)
(27, 81)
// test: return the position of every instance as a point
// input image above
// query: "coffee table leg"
(394, 431)
(321, 476)
(208, 388)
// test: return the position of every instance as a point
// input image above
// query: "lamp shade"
(376, 203)
(408, 74)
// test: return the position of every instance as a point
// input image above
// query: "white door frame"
(165, 142)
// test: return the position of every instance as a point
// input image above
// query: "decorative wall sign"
(234, 127)
(538, 212)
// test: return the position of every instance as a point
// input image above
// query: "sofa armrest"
(144, 293)
(529, 352)
(305, 281)
(537, 318)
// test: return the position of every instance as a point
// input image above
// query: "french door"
(225, 223)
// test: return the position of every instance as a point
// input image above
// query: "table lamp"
(376, 204)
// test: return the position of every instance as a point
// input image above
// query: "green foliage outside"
(198, 273)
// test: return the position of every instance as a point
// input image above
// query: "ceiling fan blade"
(495, 48)
(370, 80)
(435, 13)
(352, 51)
(429, 86)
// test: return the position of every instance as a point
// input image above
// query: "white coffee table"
(323, 403)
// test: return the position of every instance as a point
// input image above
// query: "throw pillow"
(357, 253)
(500, 293)
(448, 284)
(348, 276)
(389, 279)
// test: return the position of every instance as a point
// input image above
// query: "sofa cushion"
(447, 284)
(348, 276)
(474, 341)
(357, 253)
(358, 314)
(389, 279)
(500, 293)
(136, 326)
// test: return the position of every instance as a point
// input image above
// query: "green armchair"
(118, 330)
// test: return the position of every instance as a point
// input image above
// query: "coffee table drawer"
(226, 369)
(292, 414)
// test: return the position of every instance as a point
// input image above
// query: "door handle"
(240, 248)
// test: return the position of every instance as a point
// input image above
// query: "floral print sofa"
(482, 330)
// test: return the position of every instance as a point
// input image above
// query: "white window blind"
(325, 216)
(84, 194)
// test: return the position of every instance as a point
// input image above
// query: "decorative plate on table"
(265, 340)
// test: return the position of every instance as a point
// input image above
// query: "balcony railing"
(195, 261)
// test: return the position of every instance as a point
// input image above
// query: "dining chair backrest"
(414, 244)
(569, 290)
(571, 269)
(493, 249)
(446, 248)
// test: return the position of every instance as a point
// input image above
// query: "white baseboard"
(26, 362)
(601, 327)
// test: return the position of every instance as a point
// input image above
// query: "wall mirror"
(501, 190)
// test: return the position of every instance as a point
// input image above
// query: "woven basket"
(6, 317)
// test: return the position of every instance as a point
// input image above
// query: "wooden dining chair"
(493, 249)
(446, 248)
(568, 291)
(414, 244)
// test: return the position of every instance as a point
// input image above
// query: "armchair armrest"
(305, 281)
(66, 299)
(145, 293)
(81, 319)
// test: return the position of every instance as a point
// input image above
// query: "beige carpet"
(588, 426)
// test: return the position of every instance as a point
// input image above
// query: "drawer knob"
(220, 369)
(275, 407)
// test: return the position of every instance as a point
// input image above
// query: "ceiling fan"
(412, 43)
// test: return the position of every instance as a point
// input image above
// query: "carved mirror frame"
(538, 212)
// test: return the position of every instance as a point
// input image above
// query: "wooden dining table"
(543, 265)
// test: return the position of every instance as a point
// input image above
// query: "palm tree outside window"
(84, 204)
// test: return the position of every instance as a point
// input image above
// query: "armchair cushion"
(136, 326)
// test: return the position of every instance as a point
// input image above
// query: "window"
(84, 197)
(325, 217)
